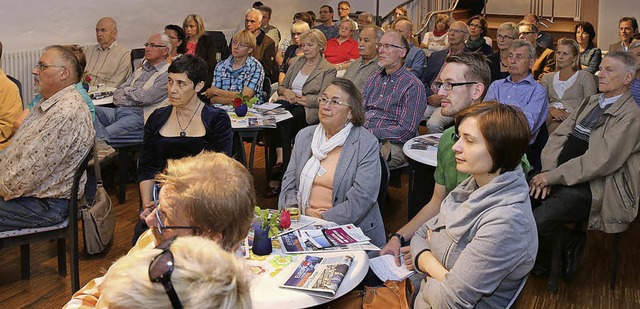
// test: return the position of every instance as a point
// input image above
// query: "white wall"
(563, 8)
(610, 12)
(31, 24)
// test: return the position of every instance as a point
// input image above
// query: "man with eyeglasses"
(394, 99)
(265, 50)
(458, 34)
(544, 39)
(360, 69)
(344, 8)
(108, 63)
(327, 26)
(36, 170)
(209, 195)
(136, 98)
(522, 90)
(545, 61)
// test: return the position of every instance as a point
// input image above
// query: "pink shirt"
(191, 48)
(338, 53)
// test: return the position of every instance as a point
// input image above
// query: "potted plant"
(267, 226)
(86, 79)
(242, 103)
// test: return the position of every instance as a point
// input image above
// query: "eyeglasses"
(387, 46)
(504, 37)
(153, 45)
(239, 44)
(475, 26)
(160, 270)
(458, 31)
(333, 103)
(161, 227)
(41, 66)
(448, 86)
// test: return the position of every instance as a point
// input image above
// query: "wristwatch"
(400, 237)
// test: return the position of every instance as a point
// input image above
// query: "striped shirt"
(394, 105)
(250, 75)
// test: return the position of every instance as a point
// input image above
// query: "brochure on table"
(258, 116)
(320, 276)
(328, 237)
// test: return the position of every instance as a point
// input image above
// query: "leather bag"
(392, 295)
(98, 219)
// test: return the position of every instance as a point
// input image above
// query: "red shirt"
(339, 53)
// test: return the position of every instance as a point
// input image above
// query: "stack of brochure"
(320, 276)
(325, 238)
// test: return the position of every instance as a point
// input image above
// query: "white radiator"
(19, 64)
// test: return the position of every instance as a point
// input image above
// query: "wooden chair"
(62, 232)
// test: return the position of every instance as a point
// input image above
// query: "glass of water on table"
(292, 204)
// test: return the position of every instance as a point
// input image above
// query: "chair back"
(137, 55)
(384, 184)
(19, 84)
(515, 296)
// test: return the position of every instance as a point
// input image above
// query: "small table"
(422, 163)
(103, 101)
(272, 270)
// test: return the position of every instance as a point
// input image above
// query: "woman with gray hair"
(335, 171)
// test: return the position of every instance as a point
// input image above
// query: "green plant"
(268, 220)
(246, 100)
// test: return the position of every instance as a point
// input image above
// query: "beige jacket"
(611, 165)
(319, 79)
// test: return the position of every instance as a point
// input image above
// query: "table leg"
(421, 183)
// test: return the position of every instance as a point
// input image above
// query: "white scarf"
(320, 147)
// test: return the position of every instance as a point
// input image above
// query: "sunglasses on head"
(160, 270)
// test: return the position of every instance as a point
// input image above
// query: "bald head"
(106, 31)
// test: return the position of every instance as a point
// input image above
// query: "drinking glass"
(292, 204)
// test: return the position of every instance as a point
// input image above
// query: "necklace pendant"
(183, 133)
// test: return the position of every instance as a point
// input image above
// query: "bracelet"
(400, 237)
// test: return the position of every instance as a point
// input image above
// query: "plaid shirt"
(394, 105)
(250, 75)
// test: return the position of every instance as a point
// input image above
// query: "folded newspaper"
(316, 238)
(424, 142)
(320, 276)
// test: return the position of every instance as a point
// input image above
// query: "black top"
(289, 53)
(494, 65)
(157, 149)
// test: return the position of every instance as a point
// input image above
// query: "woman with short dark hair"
(483, 243)
(590, 55)
(478, 29)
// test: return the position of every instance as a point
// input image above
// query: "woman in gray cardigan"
(334, 173)
(483, 243)
(568, 86)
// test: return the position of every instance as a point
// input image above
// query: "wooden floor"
(589, 288)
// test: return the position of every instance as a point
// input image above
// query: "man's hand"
(392, 247)
(211, 92)
(539, 186)
(434, 100)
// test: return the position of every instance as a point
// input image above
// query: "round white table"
(421, 181)
(428, 156)
(271, 271)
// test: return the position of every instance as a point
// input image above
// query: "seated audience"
(590, 54)
(394, 100)
(265, 48)
(568, 86)
(166, 137)
(189, 272)
(438, 39)
(335, 167)
(286, 42)
(108, 63)
(342, 49)
(482, 243)
(544, 39)
(628, 26)
(36, 170)
(327, 26)
(137, 97)
(360, 70)
(209, 195)
(305, 81)
(590, 166)
(10, 107)
(240, 73)
(415, 58)
(178, 41)
(199, 44)
(270, 30)
(295, 49)
(634, 49)
(520, 89)
(498, 62)
(458, 34)
(478, 29)
(545, 60)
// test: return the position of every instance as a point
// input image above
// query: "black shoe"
(572, 253)
(540, 270)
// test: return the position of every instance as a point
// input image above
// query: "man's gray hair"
(166, 40)
(70, 60)
(531, 51)
(255, 11)
(367, 15)
(628, 60)
(379, 31)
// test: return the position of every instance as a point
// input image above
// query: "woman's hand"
(289, 95)
(147, 209)
(313, 213)
(558, 114)
(406, 254)
(301, 100)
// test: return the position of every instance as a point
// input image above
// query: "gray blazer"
(319, 79)
(355, 184)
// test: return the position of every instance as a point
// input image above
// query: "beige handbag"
(98, 219)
